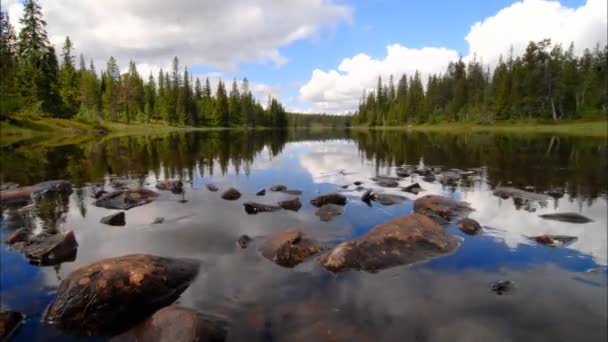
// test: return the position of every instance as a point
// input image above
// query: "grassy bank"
(592, 128)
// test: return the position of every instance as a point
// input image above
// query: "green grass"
(593, 128)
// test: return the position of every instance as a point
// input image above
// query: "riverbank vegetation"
(546, 83)
(35, 82)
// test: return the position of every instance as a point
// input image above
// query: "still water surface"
(561, 293)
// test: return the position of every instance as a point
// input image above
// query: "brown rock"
(554, 240)
(110, 296)
(289, 248)
(403, 240)
(292, 203)
(10, 321)
(19, 235)
(177, 324)
(469, 226)
(231, 194)
(331, 198)
(329, 211)
(253, 208)
(126, 199)
(47, 250)
(446, 208)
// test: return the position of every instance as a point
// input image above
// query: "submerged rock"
(212, 187)
(403, 172)
(553, 240)
(289, 248)
(97, 193)
(293, 192)
(403, 240)
(19, 235)
(231, 194)
(556, 193)
(292, 203)
(48, 250)
(367, 197)
(388, 199)
(25, 193)
(502, 286)
(278, 187)
(158, 220)
(429, 177)
(123, 183)
(331, 198)
(329, 211)
(468, 226)
(175, 186)
(567, 217)
(443, 207)
(450, 177)
(506, 192)
(126, 199)
(10, 321)
(253, 208)
(177, 324)
(111, 295)
(387, 183)
(243, 241)
(414, 188)
(261, 192)
(116, 219)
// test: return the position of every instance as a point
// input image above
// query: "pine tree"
(150, 98)
(9, 99)
(111, 91)
(222, 112)
(234, 106)
(68, 81)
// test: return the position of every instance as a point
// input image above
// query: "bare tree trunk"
(553, 110)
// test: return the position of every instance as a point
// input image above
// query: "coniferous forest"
(36, 80)
(547, 83)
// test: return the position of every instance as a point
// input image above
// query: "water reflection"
(446, 298)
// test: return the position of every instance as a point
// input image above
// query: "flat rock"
(331, 198)
(507, 192)
(403, 240)
(177, 324)
(469, 226)
(554, 240)
(289, 248)
(158, 220)
(261, 192)
(446, 208)
(212, 187)
(278, 187)
(175, 186)
(253, 208)
(126, 199)
(329, 211)
(292, 192)
(387, 183)
(413, 188)
(47, 250)
(10, 321)
(292, 203)
(19, 235)
(388, 199)
(231, 194)
(116, 219)
(110, 296)
(567, 217)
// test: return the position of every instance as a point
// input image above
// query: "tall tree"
(68, 81)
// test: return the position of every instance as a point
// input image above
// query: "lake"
(560, 293)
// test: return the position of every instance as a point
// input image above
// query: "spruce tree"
(68, 81)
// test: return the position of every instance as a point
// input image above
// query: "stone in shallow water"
(175, 186)
(329, 211)
(126, 199)
(388, 199)
(414, 188)
(25, 193)
(553, 240)
(331, 198)
(292, 203)
(278, 187)
(293, 192)
(212, 187)
(468, 226)
(289, 248)
(110, 296)
(567, 217)
(116, 219)
(261, 192)
(19, 235)
(158, 220)
(47, 250)
(403, 240)
(177, 324)
(253, 208)
(10, 321)
(502, 286)
(231, 194)
(243, 241)
(506, 192)
(440, 206)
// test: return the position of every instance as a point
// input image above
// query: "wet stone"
(231, 194)
(278, 187)
(243, 241)
(414, 188)
(126, 199)
(388, 199)
(331, 198)
(212, 187)
(292, 192)
(19, 235)
(292, 203)
(469, 226)
(158, 220)
(440, 206)
(403, 240)
(109, 296)
(357, 183)
(116, 219)
(175, 186)
(253, 208)
(507, 192)
(10, 321)
(567, 217)
(554, 240)
(48, 250)
(502, 287)
(261, 192)
(329, 211)
(290, 247)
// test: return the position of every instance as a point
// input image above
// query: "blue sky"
(278, 44)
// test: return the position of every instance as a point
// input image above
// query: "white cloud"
(213, 32)
(339, 90)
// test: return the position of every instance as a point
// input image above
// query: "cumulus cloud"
(339, 90)
(214, 33)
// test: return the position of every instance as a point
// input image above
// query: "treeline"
(318, 120)
(35, 81)
(547, 82)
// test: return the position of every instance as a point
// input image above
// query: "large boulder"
(331, 198)
(292, 203)
(403, 240)
(175, 186)
(290, 247)
(46, 250)
(443, 207)
(110, 296)
(10, 321)
(231, 194)
(177, 324)
(126, 199)
(567, 217)
(253, 208)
